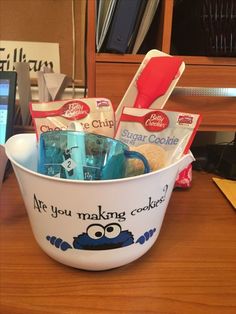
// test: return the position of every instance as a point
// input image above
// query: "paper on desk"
(51, 85)
(42, 88)
(228, 187)
(56, 84)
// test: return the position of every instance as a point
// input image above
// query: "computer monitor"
(7, 110)
(7, 104)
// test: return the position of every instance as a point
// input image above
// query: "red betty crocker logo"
(185, 119)
(155, 121)
(71, 110)
(76, 109)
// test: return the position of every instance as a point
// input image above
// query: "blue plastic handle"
(137, 155)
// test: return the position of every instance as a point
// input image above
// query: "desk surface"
(190, 269)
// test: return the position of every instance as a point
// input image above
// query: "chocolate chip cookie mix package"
(144, 129)
(94, 115)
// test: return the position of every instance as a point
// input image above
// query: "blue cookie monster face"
(99, 237)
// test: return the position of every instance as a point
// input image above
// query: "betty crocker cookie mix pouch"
(162, 136)
(95, 115)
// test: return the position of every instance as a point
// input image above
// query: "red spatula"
(155, 79)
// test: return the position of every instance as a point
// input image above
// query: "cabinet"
(109, 75)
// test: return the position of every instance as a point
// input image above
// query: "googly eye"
(95, 231)
(112, 230)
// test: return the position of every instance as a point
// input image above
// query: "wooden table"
(190, 269)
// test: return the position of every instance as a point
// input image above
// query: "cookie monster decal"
(99, 237)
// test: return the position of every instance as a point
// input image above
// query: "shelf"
(193, 60)
(112, 57)
(219, 61)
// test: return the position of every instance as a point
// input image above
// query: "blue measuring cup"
(84, 156)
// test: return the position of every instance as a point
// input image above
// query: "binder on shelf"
(137, 25)
(146, 21)
(105, 12)
(122, 25)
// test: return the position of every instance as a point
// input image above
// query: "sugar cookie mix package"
(161, 136)
(94, 115)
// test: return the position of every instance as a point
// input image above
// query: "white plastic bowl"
(92, 225)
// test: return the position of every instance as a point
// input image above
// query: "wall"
(47, 21)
